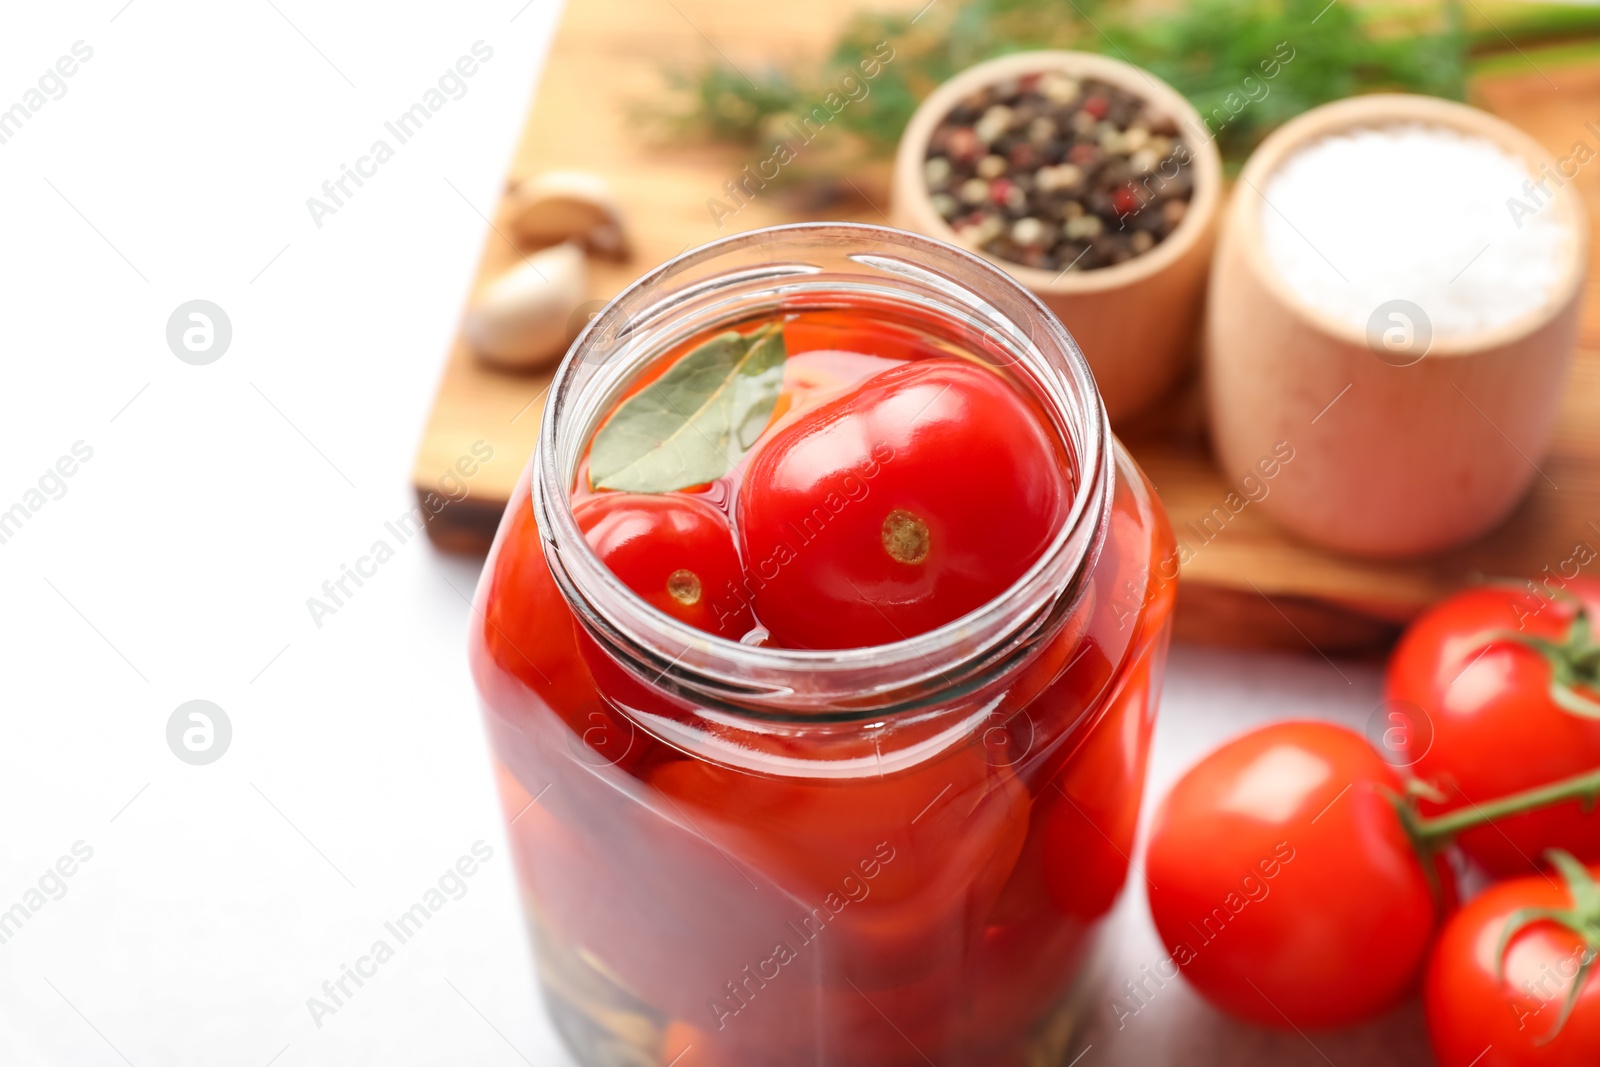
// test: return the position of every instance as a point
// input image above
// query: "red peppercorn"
(1000, 190)
(1125, 201)
(1023, 157)
(1097, 106)
(1084, 156)
(963, 144)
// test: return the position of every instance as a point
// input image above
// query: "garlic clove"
(524, 318)
(567, 205)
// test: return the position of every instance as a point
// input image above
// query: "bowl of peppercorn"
(1093, 183)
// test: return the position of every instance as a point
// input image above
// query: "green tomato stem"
(1581, 920)
(1434, 832)
(1574, 664)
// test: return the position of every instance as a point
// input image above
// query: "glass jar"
(751, 856)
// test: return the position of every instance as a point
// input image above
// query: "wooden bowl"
(1391, 458)
(1137, 322)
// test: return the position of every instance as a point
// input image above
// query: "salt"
(1418, 213)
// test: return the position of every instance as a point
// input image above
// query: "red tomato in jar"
(897, 508)
(1282, 881)
(527, 632)
(674, 550)
(840, 330)
(683, 1045)
(1482, 666)
(1094, 816)
(1523, 1000)
(906, 864)
(529, 658)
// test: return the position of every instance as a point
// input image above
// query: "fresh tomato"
(674, 550)
(1283, 882)
(1510, 689)
(899, 507)
(1511, 982)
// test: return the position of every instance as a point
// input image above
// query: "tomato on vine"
(1511, 983)
(1296, 880)
(1509, 691)
(1284, 882)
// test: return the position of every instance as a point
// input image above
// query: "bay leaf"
(692, 424)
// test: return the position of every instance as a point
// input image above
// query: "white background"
(178, 562)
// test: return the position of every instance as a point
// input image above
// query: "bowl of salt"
(1395, 296)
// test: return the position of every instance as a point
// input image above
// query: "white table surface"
(177, 561)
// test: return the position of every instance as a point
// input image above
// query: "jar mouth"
(734, 277)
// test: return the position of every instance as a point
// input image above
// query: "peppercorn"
(1055, 173)
(991, 166)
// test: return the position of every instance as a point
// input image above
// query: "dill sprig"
(1206, 49)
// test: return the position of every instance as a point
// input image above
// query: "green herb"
(1206, 49)
(693, 423)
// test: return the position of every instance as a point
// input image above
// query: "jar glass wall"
(733, 854)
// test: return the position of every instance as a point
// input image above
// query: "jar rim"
(786, 681)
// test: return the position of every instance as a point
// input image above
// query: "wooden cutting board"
(1248, 585)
